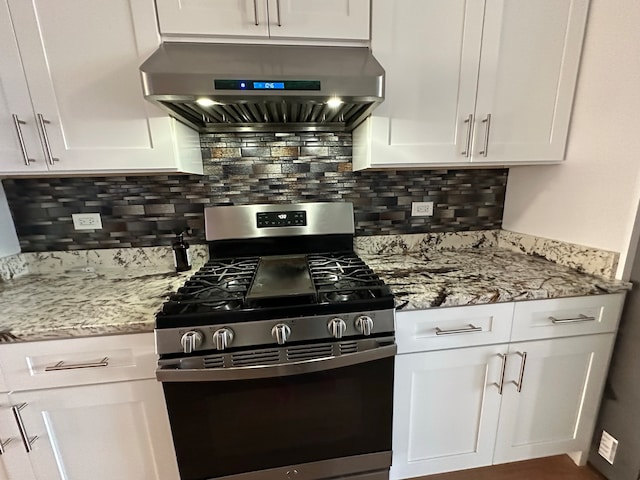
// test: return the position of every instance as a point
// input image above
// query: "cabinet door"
(14, 100)
(446, 407)
(101, 432)
(430, 50)
(555, 411)
(331, 19)
(81, 62)
(240, 18)
(530, 58)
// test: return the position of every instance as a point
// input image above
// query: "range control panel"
(282, 219)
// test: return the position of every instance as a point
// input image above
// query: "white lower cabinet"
(88, 409)
(446, 410)
(101, 432)
(551, 396)
(459, 407)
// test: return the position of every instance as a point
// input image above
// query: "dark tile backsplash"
(251, 168)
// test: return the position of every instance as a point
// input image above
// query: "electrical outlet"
(421, 209)
(608, 447)
(86, 221)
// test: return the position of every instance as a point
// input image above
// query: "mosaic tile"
(246, 168)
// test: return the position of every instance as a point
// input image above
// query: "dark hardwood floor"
(550, 468)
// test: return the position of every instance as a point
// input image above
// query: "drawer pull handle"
(61, 365)
(467, 148)
(486, 121)
(28, 442)
(4, 443)
(454, 331)
(42, 122)
(579, 318)
(278, 12)
(502, 370)
(522, 365)
(23, 149)
(255, 12)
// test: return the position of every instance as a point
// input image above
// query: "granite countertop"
(80, 303)
(108, 301)
(478, 276)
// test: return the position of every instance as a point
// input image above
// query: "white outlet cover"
(86, 221)
(608, 447)
(421, 209)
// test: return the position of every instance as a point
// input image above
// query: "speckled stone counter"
(75, 304)
(103, 292)
(480, 275)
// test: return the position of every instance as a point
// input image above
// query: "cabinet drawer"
(78, 361)
(564, 317)
(451, 327)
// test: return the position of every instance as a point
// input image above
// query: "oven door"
(317, 419)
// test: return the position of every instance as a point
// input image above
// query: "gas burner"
(339, 296)
(222, 305)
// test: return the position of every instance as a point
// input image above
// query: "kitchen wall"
(251, 168)
(8, 239)
(592, 198)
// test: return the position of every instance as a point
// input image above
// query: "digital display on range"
(266, 84)
(282, 219)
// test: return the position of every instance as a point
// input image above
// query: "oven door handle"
(165, 374)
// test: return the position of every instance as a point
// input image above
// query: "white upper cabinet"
(484, 82)
(244, 18)
(80, 95)
(20, 148)
(317, 19)
(276, 19)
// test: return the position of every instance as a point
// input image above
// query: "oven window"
(225, 428)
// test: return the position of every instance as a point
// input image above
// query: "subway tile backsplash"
(140, 211)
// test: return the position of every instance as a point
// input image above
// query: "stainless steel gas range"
(277, 356)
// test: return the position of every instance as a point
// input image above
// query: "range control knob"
(364, 324)
(337, 327)
(191, 340)
(222, 338)
(281, 333)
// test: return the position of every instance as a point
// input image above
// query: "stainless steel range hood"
(229, 87)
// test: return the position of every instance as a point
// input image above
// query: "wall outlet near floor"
(86, 221)
(608, 447)
(421, 209)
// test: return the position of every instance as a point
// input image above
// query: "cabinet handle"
(255, 12)
(45, 138)
(3, 444)
(486, 135)
(522, 364)
(17, 122)
(469, 122)
(61, 365)
(28, 442)
(470, 329)
(278, 12)
(579, 318)
(502, 370)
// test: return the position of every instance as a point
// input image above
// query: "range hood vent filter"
(264, 115)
